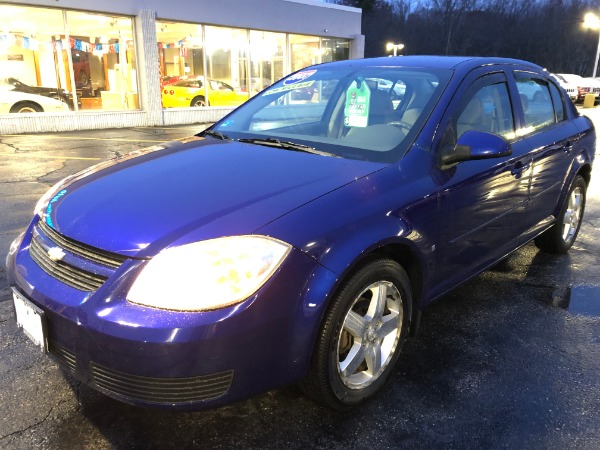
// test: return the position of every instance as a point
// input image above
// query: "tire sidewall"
(387, 270)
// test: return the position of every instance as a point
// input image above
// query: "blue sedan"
(299, 238)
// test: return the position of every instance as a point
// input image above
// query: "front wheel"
(563, 233)
(361, 336)
(26, 107)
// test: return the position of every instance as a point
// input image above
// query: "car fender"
(386, 206)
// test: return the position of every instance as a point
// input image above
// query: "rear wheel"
(198, 101)
(361, 336)
(563, 233)
(26, 107)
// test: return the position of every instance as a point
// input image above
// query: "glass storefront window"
(227, 62)
(103, 61)
(202, 66)
(267, 59)
(28, 60)
(54, 60)
(219, 66)
(180, 50)
(305, 51)
(335, 49)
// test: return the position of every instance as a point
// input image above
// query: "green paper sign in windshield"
(356, 111)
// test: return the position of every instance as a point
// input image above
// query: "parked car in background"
(594, 85)
(299, 242)
(172, 79)
(13, 101)
(583, 85)
(192, 92)
(570, 88)
(58, 94)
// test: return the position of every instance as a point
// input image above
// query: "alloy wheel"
(369, 335)
(572, 215)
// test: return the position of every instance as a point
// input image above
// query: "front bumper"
(180, 360)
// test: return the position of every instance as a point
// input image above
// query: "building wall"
(290, 16)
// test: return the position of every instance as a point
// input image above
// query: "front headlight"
(208, 275)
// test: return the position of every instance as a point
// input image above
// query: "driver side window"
(487, 109)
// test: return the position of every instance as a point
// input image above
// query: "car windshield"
(370, 114)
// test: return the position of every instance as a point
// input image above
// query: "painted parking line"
(28, 155)
(86, 138)
(172, 128)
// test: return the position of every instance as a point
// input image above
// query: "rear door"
(545, 125)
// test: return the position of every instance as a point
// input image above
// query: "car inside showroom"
(83, 65)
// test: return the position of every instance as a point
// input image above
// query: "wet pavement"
(509, 360)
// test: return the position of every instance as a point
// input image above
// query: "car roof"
(466, 63)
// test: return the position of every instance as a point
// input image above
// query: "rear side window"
(537, 102)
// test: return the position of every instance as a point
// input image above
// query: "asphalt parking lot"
(509, 360)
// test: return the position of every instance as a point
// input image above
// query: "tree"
(546, 32)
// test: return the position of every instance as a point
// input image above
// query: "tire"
(360, 339)
(26, 107)
(562, 235)
(198, 102)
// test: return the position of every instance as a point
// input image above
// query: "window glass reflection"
(53, 60)
(103, 60)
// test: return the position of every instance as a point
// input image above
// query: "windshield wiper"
(216, 134)
(288, 145)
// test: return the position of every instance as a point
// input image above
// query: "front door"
(482, 203)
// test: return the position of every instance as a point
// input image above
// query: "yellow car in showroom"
(193, 92)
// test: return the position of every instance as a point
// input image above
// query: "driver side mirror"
(473, 145)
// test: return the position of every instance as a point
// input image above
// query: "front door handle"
(519, 169)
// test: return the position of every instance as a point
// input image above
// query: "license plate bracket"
(32, 319)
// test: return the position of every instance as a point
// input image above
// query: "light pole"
(391, 46)
(592, 21)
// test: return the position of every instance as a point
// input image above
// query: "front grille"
(85, 251)
(79, 278)
(166, 391)
(63, 355)
(70, 275)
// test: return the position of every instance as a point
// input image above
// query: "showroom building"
(83, 64)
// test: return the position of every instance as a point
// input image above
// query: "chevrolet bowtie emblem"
(56, 253)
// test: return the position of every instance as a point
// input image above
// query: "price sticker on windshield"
(356, 110)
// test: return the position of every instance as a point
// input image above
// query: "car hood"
(192, 190)
(40, 90)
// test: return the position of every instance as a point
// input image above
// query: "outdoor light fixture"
(592, 21)
(391, 46)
